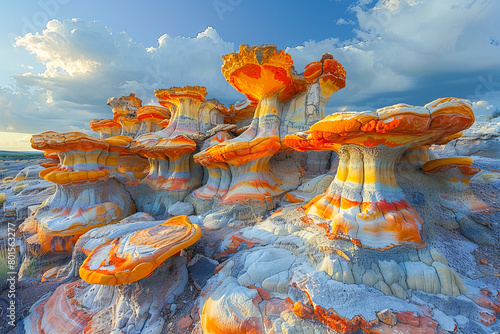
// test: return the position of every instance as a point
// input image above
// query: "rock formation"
(364, 201)
(284, 236)
(285, 102)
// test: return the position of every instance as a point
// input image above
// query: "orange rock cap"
(153, 114)
(167, 97)
(132, 257)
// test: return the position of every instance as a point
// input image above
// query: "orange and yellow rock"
(172, 170)
(106, 127)
(60, 313)
(124, 113)
(258, 70)
(240, 111)
(152, 118)
(266, 75)
(82, 158)
(219, 175)
(364, 201)
(75, 207)
(136, 255)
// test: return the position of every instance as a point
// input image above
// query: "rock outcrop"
(281, 235)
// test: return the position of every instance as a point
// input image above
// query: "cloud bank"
(415, 51)
(409, 51)
(86, 63)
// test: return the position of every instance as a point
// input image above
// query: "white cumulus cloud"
(411, 51)
(415, 51)
(86, 63)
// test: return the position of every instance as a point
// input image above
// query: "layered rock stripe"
(364, 201)
(267, 77)
(136, 255)
(75, 208)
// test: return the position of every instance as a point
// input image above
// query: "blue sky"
(61, 59)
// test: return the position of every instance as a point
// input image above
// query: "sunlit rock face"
(285, 102)
(106, 127)
(135, 255)
(125, 113)
(87, 196)
(349, 223)
(364, 201)
(152, 119)
(172, 171)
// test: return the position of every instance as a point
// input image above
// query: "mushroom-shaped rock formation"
(152, 118)
(172, 170)
(421, 155)
(106, 127)
(256, 71)
(86, 195)
(124, 112)
(136, 255)
(364, 201)
(79, 307)
(219, 179)
(266, 75)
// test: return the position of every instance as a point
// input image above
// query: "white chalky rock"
(97, 236)
(420, 276)
(347, 276)
(425, 256)
(266, 262)
(293, 243)
(370, 278)
(443, 320)
(391, 271)
(282, 228)
(233, 307)
(451, 284)
(180, 209)
(277, 282)
(312, 188)
(96, 297)
(350, 300)
(382, 286)
(259, 232)
(398, 291)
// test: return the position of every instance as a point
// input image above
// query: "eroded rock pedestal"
(286, 102)
(86, 196)
(382, 236)
(364, 201)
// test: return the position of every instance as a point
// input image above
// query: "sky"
(62, 59)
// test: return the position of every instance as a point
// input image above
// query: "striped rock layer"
(76, 206)
(73, 210)
(136, 255)
(172, 172)
(456, 172)
(219, 176)
(364, 201)
(106, 127)
(124, 113)
(266, 75)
